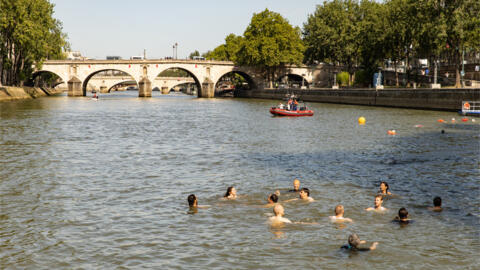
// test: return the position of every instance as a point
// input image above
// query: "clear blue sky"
(98, 28)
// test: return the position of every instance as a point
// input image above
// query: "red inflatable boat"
(304, 111)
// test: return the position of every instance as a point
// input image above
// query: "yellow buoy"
(361, 120)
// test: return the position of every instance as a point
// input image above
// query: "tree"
(28, 35)
(462, 28)
(332, 34)
(270, 42)
(371, 37)
(195, 53)
(227, 51)
(399, 32)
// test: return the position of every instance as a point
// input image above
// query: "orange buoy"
(391, 132)
(464, 119)
(466, 106)
(441, 121)
(361, 120)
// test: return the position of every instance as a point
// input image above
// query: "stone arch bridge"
(77, 73)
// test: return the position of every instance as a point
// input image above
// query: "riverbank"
(429, 99)
(9, 93)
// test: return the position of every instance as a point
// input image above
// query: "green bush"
(361, 78)
(342, 78)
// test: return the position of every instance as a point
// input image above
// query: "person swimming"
(296, 186)
(193, 202)
(304, 195)
(339, 211)
(437, 205)
(231, 193)
(378, 205)
(384, 188)
(354, 241)
(272, 200)
(402, 217)
(278, 219)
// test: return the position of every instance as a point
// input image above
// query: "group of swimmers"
(354, 241)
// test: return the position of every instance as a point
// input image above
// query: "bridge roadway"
(77, 73)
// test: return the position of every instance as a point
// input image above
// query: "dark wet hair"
(306, 191)
(386, 184)
(273, 197)
(402, 213)
(437, 201)
(191, 199)
(229, 191)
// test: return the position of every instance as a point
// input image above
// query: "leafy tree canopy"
(28, 34)
(270, 41)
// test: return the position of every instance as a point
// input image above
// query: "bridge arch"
(293, 80)
(121, 83)
(191, 73)
(35, 75)
(89, 76)
(235, 78)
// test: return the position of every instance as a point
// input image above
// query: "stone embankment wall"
(431, 99)
(8, 93)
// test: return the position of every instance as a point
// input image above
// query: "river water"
(103, 185)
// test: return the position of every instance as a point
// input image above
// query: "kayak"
(284, 112)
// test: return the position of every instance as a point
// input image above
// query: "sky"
(100, 28)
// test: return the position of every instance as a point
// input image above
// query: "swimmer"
(339, 210)
(231, 193)
(279, 213)
(437, 205)
(296, 186)
(384, 189)
(304, 195)
(193, 203)
(402, 217)
(272, 200)
(278, 219)
(378, 205)
(354, 241)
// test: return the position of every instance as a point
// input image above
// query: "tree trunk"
(396, 73)
(458, 83)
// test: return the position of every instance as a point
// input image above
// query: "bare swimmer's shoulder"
(278, 220)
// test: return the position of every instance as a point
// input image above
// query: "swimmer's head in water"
(296, 184)
(339, 209)
(378, 200)
(437, 202)
(192, 200)
(273, 198)
(403, 213)
(353, 240)
(384, 187)
(304, 193)
(230, 191)
(278, 210)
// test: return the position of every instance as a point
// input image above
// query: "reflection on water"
(104, 184)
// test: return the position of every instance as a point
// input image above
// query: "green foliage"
(28, 34)
(343, 78)
(195, 53)
(270, 41)
(362, 78)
